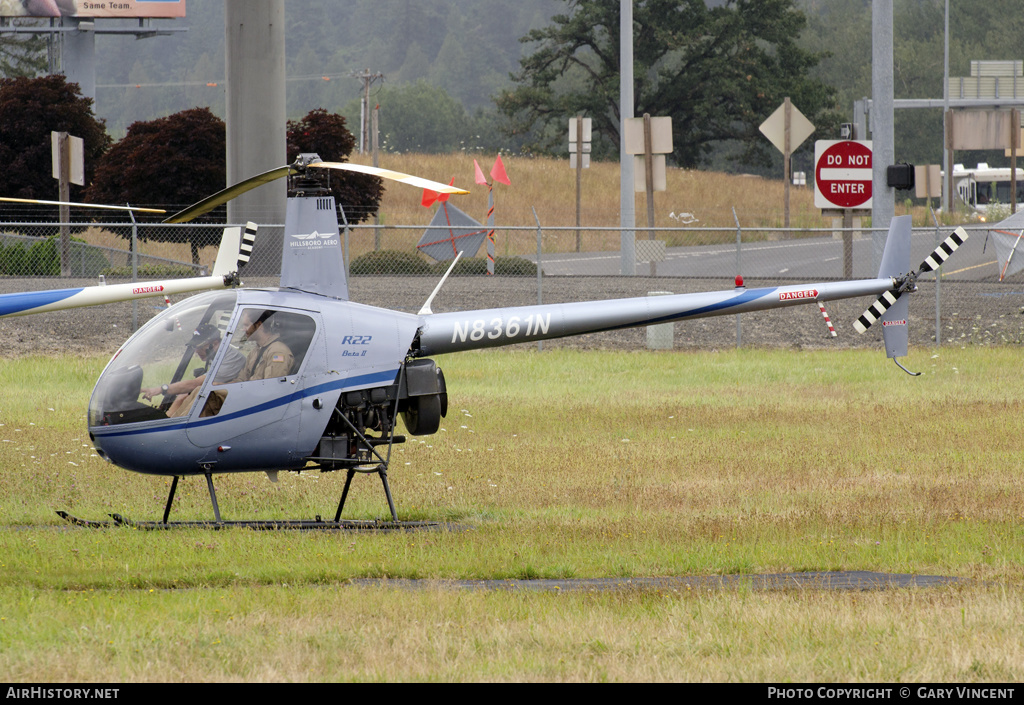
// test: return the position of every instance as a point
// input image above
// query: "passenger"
(271, 357)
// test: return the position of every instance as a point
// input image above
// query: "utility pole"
(368, 80)
(883, 198)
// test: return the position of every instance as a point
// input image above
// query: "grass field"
(557, 464)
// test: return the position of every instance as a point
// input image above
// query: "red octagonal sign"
(842, 174)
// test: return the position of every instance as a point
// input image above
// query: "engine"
(366, 418)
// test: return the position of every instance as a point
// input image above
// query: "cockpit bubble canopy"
(161, 352)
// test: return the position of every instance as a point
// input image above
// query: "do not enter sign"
(842, 174)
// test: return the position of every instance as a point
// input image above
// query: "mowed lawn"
(559, 464)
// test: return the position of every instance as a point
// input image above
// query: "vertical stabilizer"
(896, 257)
(311, 255)
(896, 264)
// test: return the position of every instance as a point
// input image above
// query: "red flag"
(498, 172)
(480, 178)
(430, 197)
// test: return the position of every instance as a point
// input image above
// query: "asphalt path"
(805, 259)
(832, 580)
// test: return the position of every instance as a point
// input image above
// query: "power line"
(217, 83)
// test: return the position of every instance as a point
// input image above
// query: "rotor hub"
(307, 182)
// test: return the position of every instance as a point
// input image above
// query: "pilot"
(206, 342)
(271, 357)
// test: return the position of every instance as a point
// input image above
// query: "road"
(803, 259)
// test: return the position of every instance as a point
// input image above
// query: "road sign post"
(842, 180)
(579, 158)
(786, 128)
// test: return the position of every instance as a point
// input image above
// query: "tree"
(171, 161)
(22, 55)
(325, 134)
(30, 109)
(419, 117)
(717, 71)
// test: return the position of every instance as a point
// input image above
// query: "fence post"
(938, 285)
(135, 269)
(540, 271)
(739, 275)
(345, 255)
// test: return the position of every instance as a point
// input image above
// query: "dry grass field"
(694, 200)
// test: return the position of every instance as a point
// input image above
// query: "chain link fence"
(114, 250)
(533, 263)
(125, 251)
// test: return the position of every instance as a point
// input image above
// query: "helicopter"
(298, 377)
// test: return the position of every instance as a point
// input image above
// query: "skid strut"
(382, 470)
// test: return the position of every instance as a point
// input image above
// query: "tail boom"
(487, 328)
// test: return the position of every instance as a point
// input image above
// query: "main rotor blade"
(34, 201)
(221, 197)
(210, 202)
(392, 175)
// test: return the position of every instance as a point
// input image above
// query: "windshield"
(176, 347)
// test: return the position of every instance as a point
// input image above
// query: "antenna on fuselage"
(425, 311)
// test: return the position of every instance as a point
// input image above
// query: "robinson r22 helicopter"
(298, 377)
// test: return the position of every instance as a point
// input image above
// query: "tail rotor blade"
(875, 311)
(931, 263)
(943, 251)
(245, 249)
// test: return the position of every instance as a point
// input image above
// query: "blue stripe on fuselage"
(343, 385)
(28, 300)
(741, 298)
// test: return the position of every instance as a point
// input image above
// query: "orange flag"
(430, 197)
(498, 172)
(480, 178)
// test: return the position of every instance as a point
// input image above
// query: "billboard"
(93, 8)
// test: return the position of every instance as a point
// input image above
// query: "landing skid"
(317, 524)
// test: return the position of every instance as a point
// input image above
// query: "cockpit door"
(251, 414)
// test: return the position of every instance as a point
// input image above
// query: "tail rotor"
(908, 283)
(891, 309)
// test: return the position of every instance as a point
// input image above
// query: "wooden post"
(649, 177)
(788, 112)
(1014, 138)
(579, 175)
(64, 189)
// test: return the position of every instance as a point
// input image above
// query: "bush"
(396, 263)
(152, 271)
(388, 263)
(514, 267)
(42, 259)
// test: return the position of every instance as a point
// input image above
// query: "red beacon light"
(739, 281)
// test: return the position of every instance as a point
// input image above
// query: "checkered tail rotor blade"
(931, 263)
(943, 251)
(876, 311)
(245, 248)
